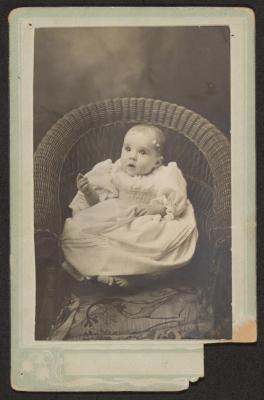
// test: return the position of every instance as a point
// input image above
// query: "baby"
(130, 217)
(141, 154)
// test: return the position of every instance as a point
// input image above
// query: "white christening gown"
(109, 239)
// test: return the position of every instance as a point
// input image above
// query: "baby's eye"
(127, 148)
(142, 152)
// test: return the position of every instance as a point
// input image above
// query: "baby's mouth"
(131, 165)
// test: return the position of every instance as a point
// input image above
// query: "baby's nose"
(132, 155)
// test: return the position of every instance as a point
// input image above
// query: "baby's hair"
(160, 138)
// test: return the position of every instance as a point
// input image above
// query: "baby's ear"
(159, 161)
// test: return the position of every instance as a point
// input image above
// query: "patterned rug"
(102, 313)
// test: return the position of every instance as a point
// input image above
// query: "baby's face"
(139, 154)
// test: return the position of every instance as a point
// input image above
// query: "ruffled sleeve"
(172, 192)
(78, 203)
(100, 180)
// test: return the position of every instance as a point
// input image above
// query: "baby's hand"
(153, 209)
(156, 208)
(141, 209)
(83, 184)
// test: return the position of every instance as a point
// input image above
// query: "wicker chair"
(93, 133)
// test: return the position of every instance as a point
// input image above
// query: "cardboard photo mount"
(124, 365)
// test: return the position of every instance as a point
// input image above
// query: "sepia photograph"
(132, 184)
(132, 194)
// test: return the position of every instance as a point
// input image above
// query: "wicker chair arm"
(48, 267)
(47, 248)
(220, 285)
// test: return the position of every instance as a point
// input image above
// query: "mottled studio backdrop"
(189, 66)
